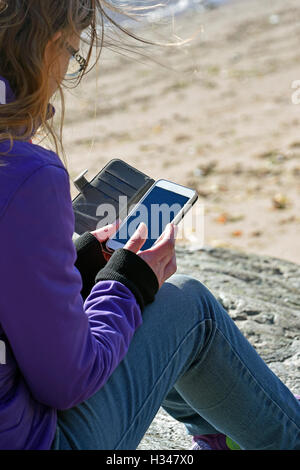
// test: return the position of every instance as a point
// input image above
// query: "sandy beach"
(219, 115)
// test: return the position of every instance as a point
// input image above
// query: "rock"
(262, 295)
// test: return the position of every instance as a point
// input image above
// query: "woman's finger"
(104, 233)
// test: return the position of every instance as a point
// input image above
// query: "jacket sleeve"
(66, 349)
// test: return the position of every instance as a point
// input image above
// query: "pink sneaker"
(210, 442)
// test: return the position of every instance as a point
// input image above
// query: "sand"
(219, 115)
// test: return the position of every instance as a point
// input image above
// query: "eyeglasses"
(77, 63)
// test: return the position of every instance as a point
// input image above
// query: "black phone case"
(116, 179)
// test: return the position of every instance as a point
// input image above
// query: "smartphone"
(165, 202)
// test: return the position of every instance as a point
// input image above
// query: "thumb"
(138, 238)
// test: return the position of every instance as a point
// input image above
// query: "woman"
(93, 347)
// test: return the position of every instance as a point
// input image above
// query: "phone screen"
(158, 209)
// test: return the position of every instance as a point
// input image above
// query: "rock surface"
(262, 295)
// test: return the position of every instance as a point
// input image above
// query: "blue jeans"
(190, 358)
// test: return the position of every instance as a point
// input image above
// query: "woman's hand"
(104, 233)
(161, 257)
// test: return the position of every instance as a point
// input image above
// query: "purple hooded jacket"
(66, 317)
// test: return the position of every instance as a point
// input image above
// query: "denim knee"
(198, 296)
(186, 282)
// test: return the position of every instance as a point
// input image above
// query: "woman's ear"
(51, 43)
(56, 37)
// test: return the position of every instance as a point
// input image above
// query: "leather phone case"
(116, 179)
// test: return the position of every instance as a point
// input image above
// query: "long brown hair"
(26, 27)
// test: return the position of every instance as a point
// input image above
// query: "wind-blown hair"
(26, 27)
